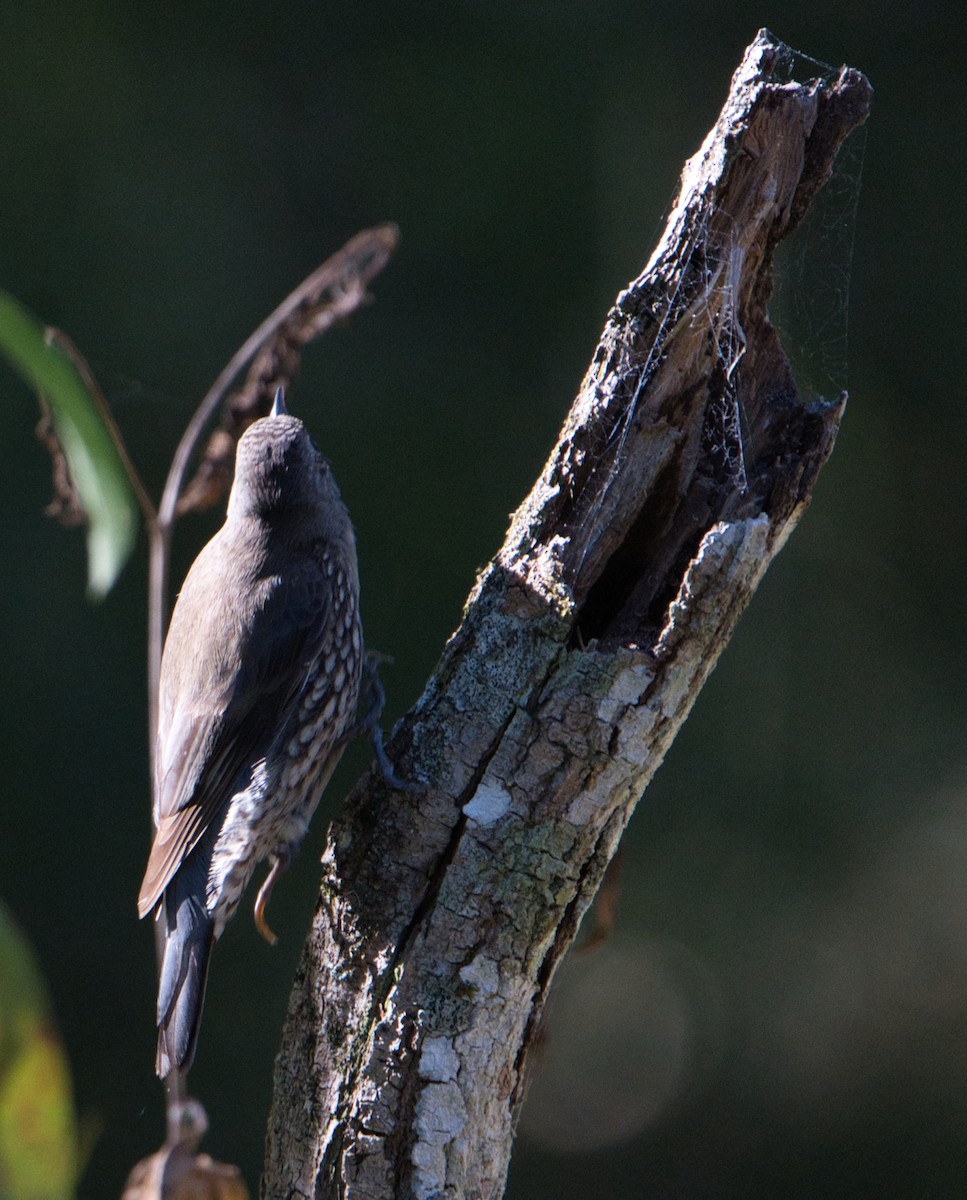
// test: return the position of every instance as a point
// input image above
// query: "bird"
(259, 680)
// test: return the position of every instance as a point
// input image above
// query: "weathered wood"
(682, 468)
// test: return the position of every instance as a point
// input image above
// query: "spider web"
(809, 306)
(812, 268)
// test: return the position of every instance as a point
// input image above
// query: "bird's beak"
(278, 408)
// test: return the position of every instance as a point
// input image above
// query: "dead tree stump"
(683, 466)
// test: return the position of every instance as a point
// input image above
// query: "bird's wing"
(208, 745)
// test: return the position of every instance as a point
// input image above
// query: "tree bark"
(683, 466)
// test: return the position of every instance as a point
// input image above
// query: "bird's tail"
(189, 937)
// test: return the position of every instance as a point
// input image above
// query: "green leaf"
(95, 465)
(38, 1126)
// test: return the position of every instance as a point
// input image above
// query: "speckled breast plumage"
(270, 817)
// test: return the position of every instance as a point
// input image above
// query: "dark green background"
(783, 1011)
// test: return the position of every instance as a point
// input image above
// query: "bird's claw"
(261, 900)
(369, 724)
(386, 767)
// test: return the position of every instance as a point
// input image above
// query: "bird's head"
(281, 476)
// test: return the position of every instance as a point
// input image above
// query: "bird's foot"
(375, 699)
(386, 767)
(279, 863)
